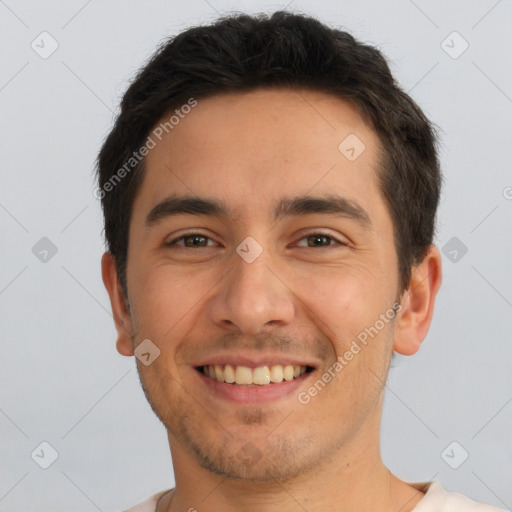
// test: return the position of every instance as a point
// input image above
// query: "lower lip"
(253, 394)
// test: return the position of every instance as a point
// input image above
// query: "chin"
(249, 464)
(263, 460)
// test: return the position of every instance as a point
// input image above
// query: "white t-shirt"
(436, 499)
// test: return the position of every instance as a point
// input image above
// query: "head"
(297, 136)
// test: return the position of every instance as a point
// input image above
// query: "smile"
(259, 376)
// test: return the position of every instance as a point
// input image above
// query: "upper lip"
(253, 361)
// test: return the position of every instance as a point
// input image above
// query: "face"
(257, 244)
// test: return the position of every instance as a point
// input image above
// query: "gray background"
(61, 379)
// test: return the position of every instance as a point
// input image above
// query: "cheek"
(166, 299)
(346, 306)
(341, 300)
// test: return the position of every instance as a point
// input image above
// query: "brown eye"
(191, 240)
(319, 240)
(195, 241)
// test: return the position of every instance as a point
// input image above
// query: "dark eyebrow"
(178, 205)
(326, 204)
(286, 207)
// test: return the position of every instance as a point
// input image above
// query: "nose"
(253, 297)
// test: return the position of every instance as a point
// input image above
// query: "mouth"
(265, 375)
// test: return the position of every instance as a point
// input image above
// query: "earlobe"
(418, 301)
(120, 312)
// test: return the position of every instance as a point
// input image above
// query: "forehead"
(253, 147)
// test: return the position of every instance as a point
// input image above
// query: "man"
(270, 197)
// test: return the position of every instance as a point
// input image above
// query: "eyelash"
(307, 235)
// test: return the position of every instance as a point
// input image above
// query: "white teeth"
(288, 372)
(229, 374)
(261, 376)
(276, 373)
(243, 375)
(219, 374)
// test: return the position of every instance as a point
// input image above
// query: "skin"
(250, 150)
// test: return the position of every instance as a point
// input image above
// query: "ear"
(121, 314)
(413, 320)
